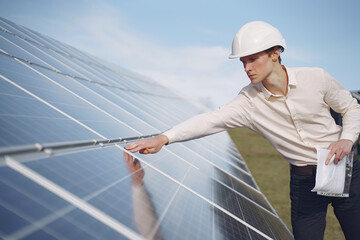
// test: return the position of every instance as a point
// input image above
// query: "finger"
(329, 156)
(137, 148)
(127, 147)
(341, 157)
(131, 146)
(338, 156)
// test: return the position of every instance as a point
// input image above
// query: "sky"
(185, 44)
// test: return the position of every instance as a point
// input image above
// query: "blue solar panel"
(65, 117)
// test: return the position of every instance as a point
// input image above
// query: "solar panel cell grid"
(243, 189)
(188, 218)
(25, 120)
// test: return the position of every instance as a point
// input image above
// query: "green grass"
(271, 173)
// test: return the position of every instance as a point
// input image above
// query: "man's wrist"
(163, 139)
(351, 141)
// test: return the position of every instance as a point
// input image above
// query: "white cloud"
(200, 72)
(301, 57)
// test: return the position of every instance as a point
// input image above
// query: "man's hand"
(340, 148)
(146, 146)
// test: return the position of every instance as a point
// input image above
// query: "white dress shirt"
(294, 124)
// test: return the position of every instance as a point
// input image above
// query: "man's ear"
(275, 55)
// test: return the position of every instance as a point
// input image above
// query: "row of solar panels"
(65, 117)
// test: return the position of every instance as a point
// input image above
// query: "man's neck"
(277, 82)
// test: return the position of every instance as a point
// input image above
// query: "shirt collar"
(291, 79)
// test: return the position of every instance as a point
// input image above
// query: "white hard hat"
(255, 37)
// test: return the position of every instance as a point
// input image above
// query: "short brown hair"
(270, 50)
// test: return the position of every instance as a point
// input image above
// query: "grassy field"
(271, 173)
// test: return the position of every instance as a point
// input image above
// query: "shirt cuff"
(350, 136)
(170, 135)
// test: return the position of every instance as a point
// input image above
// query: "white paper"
(330, 179)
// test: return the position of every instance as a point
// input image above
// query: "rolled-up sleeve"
(341, 101)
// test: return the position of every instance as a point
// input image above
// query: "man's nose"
(247, 67)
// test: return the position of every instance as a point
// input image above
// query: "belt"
(303, 170)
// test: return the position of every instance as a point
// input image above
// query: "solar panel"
(65, 117)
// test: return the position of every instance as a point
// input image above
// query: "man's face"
(257, 66)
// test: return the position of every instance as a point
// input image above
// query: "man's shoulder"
(249, 92)
(305, 69)
(304, 75)
(247, 88)
(250, 88)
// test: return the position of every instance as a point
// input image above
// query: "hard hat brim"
(270, 45)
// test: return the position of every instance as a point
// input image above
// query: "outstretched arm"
(146, 146)
(233, 114)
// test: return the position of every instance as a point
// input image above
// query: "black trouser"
(308, 210)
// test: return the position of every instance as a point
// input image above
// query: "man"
(290, 107)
